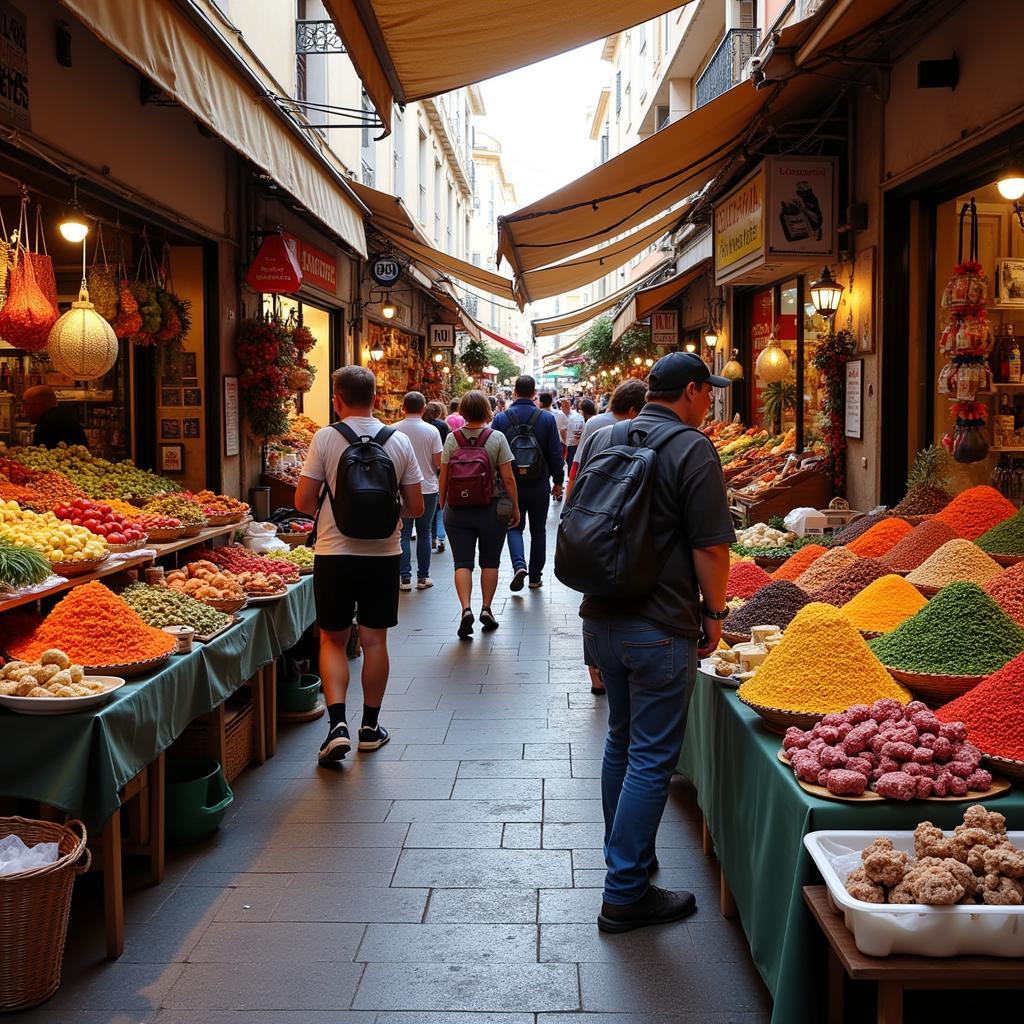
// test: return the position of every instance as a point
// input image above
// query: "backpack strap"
(346, 432)
(383, 436)
(533, 419)
(472, 442)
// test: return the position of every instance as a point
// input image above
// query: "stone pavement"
(453, 877)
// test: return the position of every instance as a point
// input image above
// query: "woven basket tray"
(934, 689)
(77, 568)
(778, 721)
(1012, 769)
(735, 638)
(164, 536)
(121, 549)
(132, 668)
(229, 605)
(927, 591)
(224, 520)
(194, 529)
(1007, 560)
(294, 540)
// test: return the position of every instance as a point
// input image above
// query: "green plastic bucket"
(299, 698)
(197, 798)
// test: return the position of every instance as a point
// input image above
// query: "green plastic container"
(299, 698)
(300, 682)
(197, 799)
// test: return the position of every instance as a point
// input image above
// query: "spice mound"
(900, 751)
(993, 711)
(884, 605)
(95, 627)
(1006, 538)
(960, 632)
(821, 665)
(976, 864)
(916, 546)
(774, 605)
(881, 538)
(161, 606)
(745, 580)
(976, 510)
(859, 575)
(923, 501)
(956, 560)
(859, 526)
(796, 565)
(826, 570)
(1007, 589)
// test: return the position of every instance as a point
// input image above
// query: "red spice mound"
(797, 564)
(881, 538)
(976, 510)
(992, 712)
(1007, 590)
(745, 580)
(917, 545)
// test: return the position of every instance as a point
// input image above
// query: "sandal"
(487, 620)
(466, 625)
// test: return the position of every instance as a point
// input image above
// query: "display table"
(757, 816)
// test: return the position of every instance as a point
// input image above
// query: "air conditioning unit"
(665, 245)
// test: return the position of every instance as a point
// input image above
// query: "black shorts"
(363, 587)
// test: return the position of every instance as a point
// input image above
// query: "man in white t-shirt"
(561, 415)
(355, 577)
(426, 441)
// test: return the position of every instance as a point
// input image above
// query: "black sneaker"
(656, 906)
(373, 737)
(517, 580)
(336, 746)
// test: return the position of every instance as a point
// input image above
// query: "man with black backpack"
(645, 537)
(360, 477)
(537, 454)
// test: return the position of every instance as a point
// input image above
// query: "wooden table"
(899, 973)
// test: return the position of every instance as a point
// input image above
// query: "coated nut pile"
(163, 606)
(53, 675)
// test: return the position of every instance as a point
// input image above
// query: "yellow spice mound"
(884, 605)
(822, 664)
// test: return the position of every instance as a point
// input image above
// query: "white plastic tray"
(883, 929)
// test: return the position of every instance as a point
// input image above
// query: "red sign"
(275, 268)
(317, 266)
(760, 331)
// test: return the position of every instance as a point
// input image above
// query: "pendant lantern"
(773, 363)
(733, 369)
(82, 345)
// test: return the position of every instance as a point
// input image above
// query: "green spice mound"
(960, 632)
(161, 606)
(1005, 538)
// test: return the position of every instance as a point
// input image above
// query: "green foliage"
(500, 359)
(777, 397)
(603, 354)
(474, 357)
(933, 467)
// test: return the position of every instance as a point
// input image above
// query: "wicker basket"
(165, 536)
(198, 740)
(194, 529)
(120, 549)
(935, 689)
(777, 720)
(926, 591)
(1007, 561)
(225, 519)
(34, 907)
(294, 540)
(77, 568)
(1007, 766)
(127, 670)
(230, 605)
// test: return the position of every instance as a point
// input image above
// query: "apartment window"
(618, 92)
(476, 259)
(367, 147)
(641, 34)
(661, 116)
(450, 222)
(437, 202)
(465, 239)
(422, 160)
(398, 154)
(604, 146)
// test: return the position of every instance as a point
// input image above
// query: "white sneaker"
(406, 584)
(424, 582)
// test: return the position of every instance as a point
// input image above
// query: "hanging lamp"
(733, 369)
(773, 363)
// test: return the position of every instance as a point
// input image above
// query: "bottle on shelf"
(1003, 423)
(1001, 356)
(1013, 376)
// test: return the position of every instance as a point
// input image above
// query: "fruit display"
(21, 566)
(219, 504)
(238, 559)
(101, 520)
(123, 508)
(301, 556)
(977, 863)
(205, 582)
(154, 524)
(53, 675)
(176, 507)
(296, 526)
(56, 540)
(261, 584)
(165, 606)
(900, 751)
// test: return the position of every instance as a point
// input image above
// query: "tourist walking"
(574, 430)
(454, 420)
(562, 415)
(646, 644)
(434, 413)
(479, 495)
(358, 479)
(426, 442)
(533, 438)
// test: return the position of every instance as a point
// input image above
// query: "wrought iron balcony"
(317, 37)
(726, 67)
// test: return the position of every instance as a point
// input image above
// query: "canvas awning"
(405, 50)
(390, 217)
(508, 343)
(161, 42)
(646, 300)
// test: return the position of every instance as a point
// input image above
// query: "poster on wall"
(802, 215)
(172, 458)
(230, 415)
(854, 399)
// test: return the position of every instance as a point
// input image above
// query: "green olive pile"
(176, 507)
(161, 606)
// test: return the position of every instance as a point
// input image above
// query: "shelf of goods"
(806, 488)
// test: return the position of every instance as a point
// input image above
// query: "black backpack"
(365, 500)
(605, 543)
(529, 462)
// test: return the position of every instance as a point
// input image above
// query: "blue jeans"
(437, 527)
(534, 500)
(422, 540)
(648, 673)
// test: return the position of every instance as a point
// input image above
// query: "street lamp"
(376, 354)
(690, 347)
(438, 357)
(648, 361)
(73, 225)
(637, 361)
(711, 336)
(388, 310)
(773, 363)
(825, 294)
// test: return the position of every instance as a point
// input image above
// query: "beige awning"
(390, 217)
(572, 274)
(407, 50)
(164, 45)
(646, 300)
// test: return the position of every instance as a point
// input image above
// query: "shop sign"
(739, 226)
(275, 269)
(318, 267)
(442, 336)
(14, 95)
(231, 437)
(385, 270)
(853, 426)
(665, 328)
(802, 191)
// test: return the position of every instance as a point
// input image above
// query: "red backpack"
(470, 473)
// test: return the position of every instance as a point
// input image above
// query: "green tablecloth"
(80, 762)
(758, 815)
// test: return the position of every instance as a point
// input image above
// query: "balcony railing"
(726, 67)
(317, 37)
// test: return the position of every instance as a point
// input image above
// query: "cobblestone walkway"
(452, 877)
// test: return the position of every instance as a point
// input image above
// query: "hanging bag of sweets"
(28, 315)
(970, 443)
(144, 291)
(128, 321)
(176, 312)
(101, 280)
(42, 264)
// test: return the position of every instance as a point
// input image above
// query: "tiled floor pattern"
(452, 877)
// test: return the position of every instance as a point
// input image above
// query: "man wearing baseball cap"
(647, 649)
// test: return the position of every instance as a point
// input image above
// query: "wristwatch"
(708, 613)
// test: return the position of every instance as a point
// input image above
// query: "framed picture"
(170, 430)
(864, 300)
(191, 427)
(231, 439)
(192, 396)
(190, 382)
(172, 458)
(1010, 281)
(188, 364)
(854, 426)
(170, 398)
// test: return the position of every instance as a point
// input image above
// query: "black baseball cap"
(677, 369)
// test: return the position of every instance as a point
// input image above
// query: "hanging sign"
(275, 268)
(385, 270)
(14, 94)
(665, 328)
(318, 267)
(442, 336)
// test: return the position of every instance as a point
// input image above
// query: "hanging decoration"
(175, 312)
(303, 373)
(966, 341)
(28, 314)
(830, 358)
(773, 363)
(127, 320)
(101, 280)
(266, 352)
(42, 263)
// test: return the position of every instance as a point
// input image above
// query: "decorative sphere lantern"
(773, 363)
(82, 344)
(733, 369)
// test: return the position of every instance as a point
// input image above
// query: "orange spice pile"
(799, 562)
(976, 510)
(881, 538)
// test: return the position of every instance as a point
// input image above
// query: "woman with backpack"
(478, 494)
